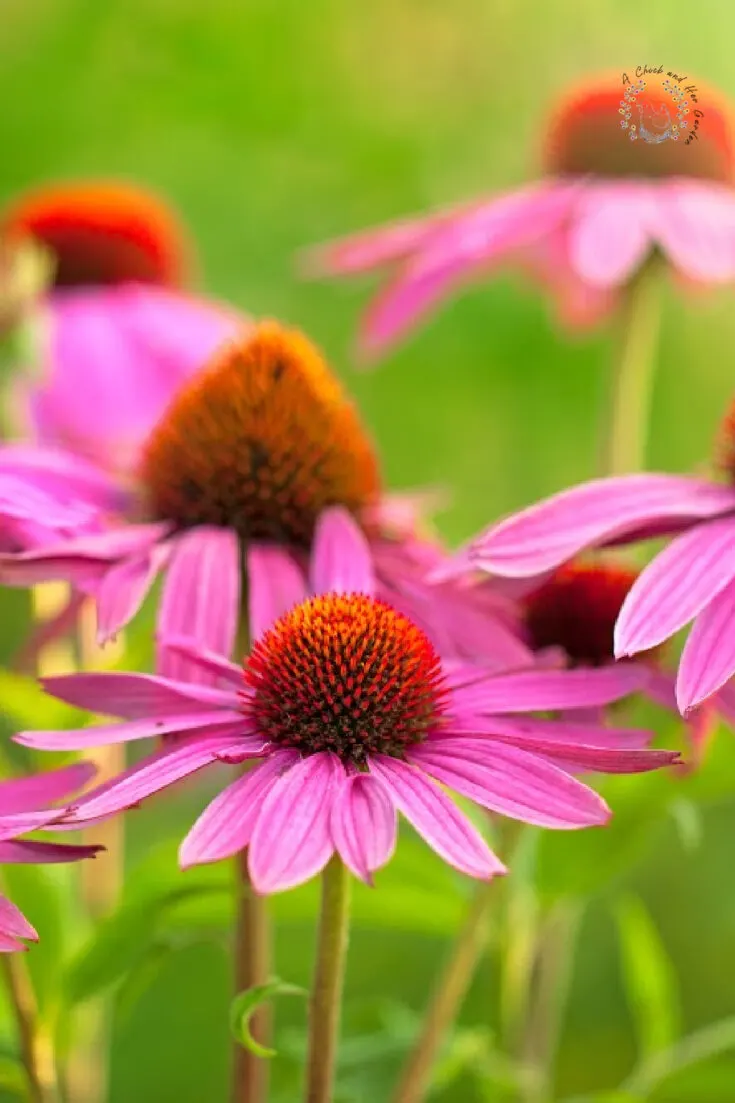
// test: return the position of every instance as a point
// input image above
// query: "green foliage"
(244, 1006)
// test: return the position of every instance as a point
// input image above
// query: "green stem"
(326, 995)
(252, 967)
(631, 380)
(37, 1059)
(448, 996)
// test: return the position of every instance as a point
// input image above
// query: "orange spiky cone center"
(102, 234)
(261, 441)
(666, 128)
(345, 673)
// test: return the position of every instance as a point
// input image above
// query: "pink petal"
(275, 584)
(546, 734)
(63, 473)
(341, 560)
(708, 658)
(201, 598)
(83, 559)
(27, 794)
(512, 782)
(13, 923)
(549, 690)
(153, 774)
(436, 818)
(364, 825)
(20, 823)
(610, 232)
(226, 824)
(135, 696)
(372, 248)
(222, 669)
(28, 851)
(547, 534)
(291, 840)
(103, 735)
(123, 589)
(696, 228)
(676, 586)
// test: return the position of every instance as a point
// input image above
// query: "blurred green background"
(274, 125)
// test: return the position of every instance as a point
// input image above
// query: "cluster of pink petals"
(582, 238)
(20, 800)
(692, 579)
(293, 812)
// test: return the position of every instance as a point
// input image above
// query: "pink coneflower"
(347, 706)
(693, 579)
(117, 331)
(251, 449)
(20, 800)
(603, 206)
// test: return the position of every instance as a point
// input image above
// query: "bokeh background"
(274, 125)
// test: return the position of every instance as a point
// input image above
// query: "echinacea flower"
(251, 449)
(604, 204)
(350, 715)
(692, 579)
(20, 801)
(117, 330)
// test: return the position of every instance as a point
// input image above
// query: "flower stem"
(38, 1060)
(631, 379)
(252, 967)
(326, 994)
(447, 997)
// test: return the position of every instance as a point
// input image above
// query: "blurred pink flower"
(20, 799)
(602, 207)
(354, 717)
(252, 448)
(693, 579)
(116, 333)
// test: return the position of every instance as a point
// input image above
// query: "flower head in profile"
(249, 451)
(117, 329)
(350, 715)
(691, 580)
(603, 206)
(20, 801)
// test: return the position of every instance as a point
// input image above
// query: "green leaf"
(702, 1045)
(649, 976)
(244, 1006)
(28, 706)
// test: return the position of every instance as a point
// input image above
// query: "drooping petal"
(13, 923)
(544, 690)
(373, 248)
(275, 584)
(523, 730)
(15, 851)
(63, 474)
(123, 589)
(26, 794)
(611, 231)
(291, 840)
(223, 670)
(153, 774)
(135, 696)
(512, 782)
(103, 735)
(547, 534)
(436, 818)
(708, 658)
(695, 224)
(676, 586)
(341, 560)
(201, 598)
(364, 825)
(81, 560)
(226, 824)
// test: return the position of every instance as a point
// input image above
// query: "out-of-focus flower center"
(101, 234)
(664, 128)
(261, 441)
(576, 610)
(348, 674)
(725, 445)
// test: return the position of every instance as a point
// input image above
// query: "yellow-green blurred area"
(273, 125)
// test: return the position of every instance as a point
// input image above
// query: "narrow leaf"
(244, 1006)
